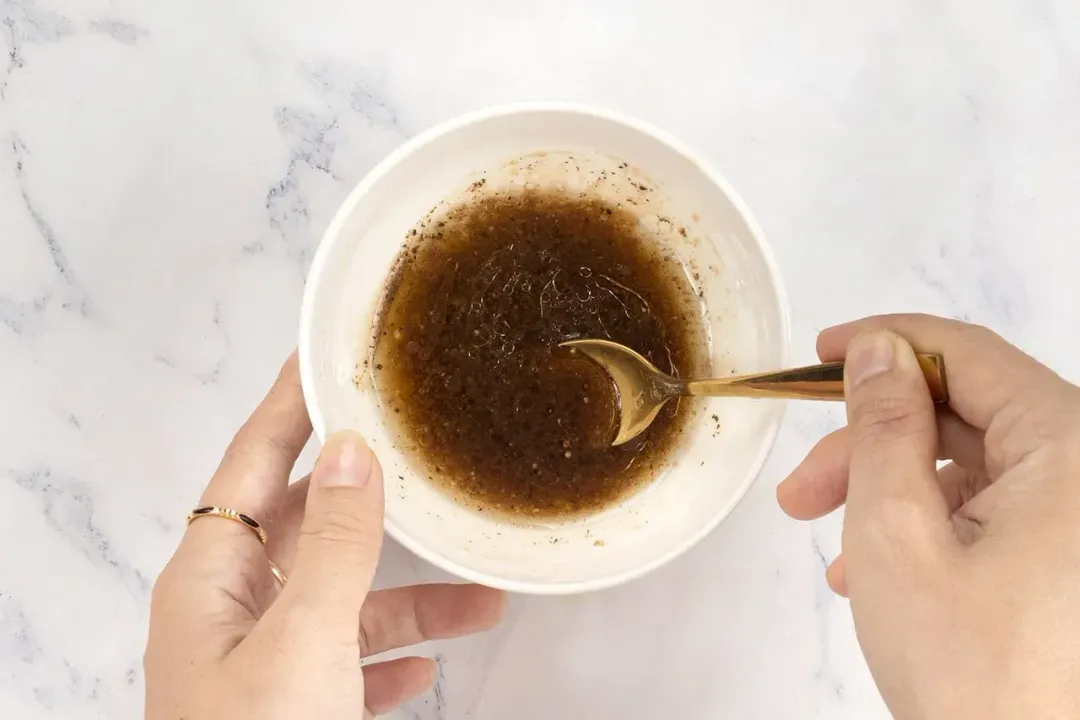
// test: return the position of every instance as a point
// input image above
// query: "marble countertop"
(167, 168)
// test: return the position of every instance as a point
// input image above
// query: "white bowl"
(744, 304)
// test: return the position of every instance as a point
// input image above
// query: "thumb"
(893, 490)
(341, 533)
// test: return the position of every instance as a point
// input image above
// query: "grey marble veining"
(166, 170)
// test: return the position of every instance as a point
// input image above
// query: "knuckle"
(251, 443)
(336, 526)
(976, 335)
(1026, 428)
(237, 456)
(888, 416)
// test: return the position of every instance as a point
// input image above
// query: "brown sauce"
(467, 363)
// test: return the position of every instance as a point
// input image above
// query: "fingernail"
(870, 355)
(346, 461)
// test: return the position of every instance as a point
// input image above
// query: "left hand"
(226, 641)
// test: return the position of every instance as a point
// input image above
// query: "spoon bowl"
(641, 389)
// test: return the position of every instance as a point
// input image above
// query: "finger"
(220, 566)
(406, 616)
(893, 492)
(959, 484)
(284, 526)
(389, 684)
(835, 577)
(340, 536)
(985, 373)
(957, 441)
(818, 485)
(254, 472)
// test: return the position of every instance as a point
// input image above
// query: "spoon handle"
(814, 382)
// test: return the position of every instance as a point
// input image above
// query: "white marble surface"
(166, 169)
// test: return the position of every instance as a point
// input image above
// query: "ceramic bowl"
(689, 208)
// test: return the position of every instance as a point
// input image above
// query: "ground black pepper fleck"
(468, 361)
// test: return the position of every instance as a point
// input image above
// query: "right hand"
(964, 581)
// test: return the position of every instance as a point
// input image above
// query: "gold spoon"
(642, 389)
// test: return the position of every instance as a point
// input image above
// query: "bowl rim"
(333, 232)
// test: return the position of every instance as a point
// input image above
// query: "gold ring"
(278, 575)
(246, 520)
